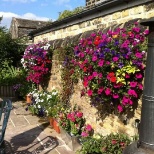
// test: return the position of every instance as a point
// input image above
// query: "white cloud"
(20, 1)
(7, 17)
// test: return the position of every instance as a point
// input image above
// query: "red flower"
(85, 83)
(114, 141)
(72, 71)
(111, 74)
(84, 69)
(113, 79)
(79, 114)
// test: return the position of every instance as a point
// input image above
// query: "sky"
(43, 10)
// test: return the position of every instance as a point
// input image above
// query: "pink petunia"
(115, 96)
(79, 114)
(132, 93)
(140, 86)
(94, 58)
(125, 100)
(127, 76)
(101, 63)
(88, 127)
(138, 75)
(90, 92)
(120, 108)
(115, 59)
(100, 90)
(107, 91)
(95, 74)
(81, 54)
(146, 32)
(84, 134)
(130, 102)
(117, 85)
(138, 55)
(90, 77)
(133, 84)
(100, 75)
(107, 63)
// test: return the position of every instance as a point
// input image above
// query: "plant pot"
(28, 99)
(71, 141)
(51, 120)
(56, 126)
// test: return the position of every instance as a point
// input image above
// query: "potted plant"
(53, 113)
(110, 144)
(71, 123)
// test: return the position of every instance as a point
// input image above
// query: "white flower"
(54, 93)
(143, 52)
(39, 106)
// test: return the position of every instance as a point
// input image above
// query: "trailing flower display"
(111, 66)
(37, 61)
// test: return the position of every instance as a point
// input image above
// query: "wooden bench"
(5, 108)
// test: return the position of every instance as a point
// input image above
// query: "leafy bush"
(9, 74)
(10, 49)
(67, 13)
(110, 144)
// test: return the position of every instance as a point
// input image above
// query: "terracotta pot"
(51, 120)
(56, 126)
(28, 99)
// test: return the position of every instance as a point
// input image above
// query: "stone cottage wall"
(111, 123)
(145, 11)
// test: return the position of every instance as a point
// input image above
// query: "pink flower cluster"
(111, 65)
(87, 131)
(75, 116)
(36, 60)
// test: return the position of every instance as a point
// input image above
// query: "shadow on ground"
(32, 141)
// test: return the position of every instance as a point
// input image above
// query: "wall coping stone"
(103, 9)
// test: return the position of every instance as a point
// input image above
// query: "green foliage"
(65, 55)
(91, 145)
(110, 144)
(10, 49)
(16, 77)
(9, 74)
(67, 13)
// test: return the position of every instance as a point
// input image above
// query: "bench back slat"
(5, 108)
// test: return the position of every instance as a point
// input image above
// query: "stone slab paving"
(28, 134)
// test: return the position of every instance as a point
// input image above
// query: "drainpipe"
(145, 145)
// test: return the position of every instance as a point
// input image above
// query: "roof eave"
(94, 12)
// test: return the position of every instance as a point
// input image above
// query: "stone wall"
(145, 11)
(111, 123)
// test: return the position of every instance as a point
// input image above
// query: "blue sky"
(35, 9)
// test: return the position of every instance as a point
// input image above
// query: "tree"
(67, 13)
(10, 49)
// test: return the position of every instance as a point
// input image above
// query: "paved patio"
(28, 134)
